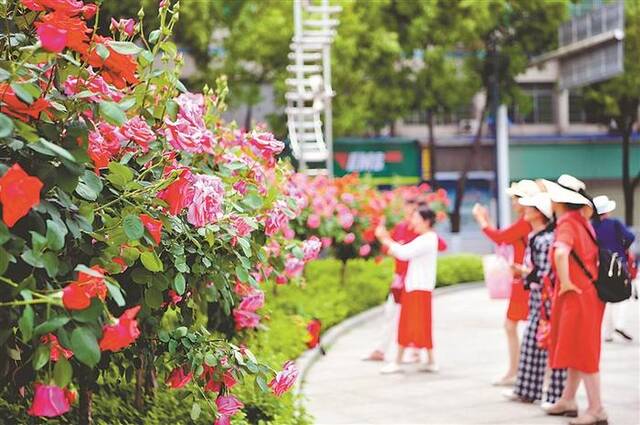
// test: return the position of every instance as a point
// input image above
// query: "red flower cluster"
(11, 105)
(314, 328)
(19, 192)
(77, 295)
(121, 334)
(153, 226)
(178, 378)
(55, 349)
(178, 194)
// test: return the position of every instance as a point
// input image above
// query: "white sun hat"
(567, 190)
(541, 201)
(523, 188)
(603, 204)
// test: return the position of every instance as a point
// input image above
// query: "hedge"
(287, 312)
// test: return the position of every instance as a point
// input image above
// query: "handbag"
(543, 333)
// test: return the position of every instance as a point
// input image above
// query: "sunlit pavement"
(471, 350)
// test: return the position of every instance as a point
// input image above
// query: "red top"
(402, 234)
(571, 231)
(516, 235)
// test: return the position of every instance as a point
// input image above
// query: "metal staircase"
(309, 90)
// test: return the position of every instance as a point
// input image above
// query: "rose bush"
(136, 227)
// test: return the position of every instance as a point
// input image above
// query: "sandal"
(560, 408)
(590, 419)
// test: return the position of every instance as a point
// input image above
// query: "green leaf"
(112, 113)
(253, 201)
(89, 186)
(133, 227)
(62, 372)
(6, 126)
(25, 92)
(50, 263)
(151, 262)
(179, 283)
(195, 411)
(242, 274)
(116, 293)
(119, 174)
(297, 251)
(262, 383)
(4, 233)
(4, 261)
(153, 298)
(141, 276)
(154, 36)
(85, 346)
(51, 325)
(56, 232)
(102, 51)
(41, 356)
(125, 47)
(25, 323)
(89, 314)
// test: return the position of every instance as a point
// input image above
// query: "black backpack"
(613, 282)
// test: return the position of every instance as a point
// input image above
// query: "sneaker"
(390, 368)
(429, 367)
(510, 395)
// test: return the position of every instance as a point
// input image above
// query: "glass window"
(540, 106)
(578, 110)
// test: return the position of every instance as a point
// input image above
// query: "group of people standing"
(556, 243)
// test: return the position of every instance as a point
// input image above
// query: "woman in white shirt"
(414, 328)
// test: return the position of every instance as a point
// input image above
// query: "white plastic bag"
(498, 276)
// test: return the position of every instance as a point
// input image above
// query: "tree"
(507, 34)
(618, 100)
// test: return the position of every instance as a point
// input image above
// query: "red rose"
(52, 38)
(77, 295)
(19, 192)
(178, 194)
(121, 334)
(55, 348)
(178, 378)
(153, 226)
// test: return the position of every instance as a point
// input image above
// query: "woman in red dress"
(577, 311)
(517, 236)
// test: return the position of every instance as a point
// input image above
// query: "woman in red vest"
(517, 236)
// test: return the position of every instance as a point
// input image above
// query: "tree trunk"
(432, 148)
(462, 181)
(248, 117)
(138, 400)
(392, 128)
(85, 411)
(343, 272)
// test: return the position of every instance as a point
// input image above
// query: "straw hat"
(523, 188)
(541, 201)
(603, 204)
(567, 190)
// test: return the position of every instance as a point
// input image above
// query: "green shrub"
(286, 315)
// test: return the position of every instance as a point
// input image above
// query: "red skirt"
(518, 303)
(576, 321)
(414, 328)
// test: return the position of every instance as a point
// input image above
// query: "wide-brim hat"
(523, 188)
(567, 190)
(603, 204)
(541, 201)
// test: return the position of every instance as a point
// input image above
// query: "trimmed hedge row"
(286, 314)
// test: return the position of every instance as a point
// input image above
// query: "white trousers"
(388, 340)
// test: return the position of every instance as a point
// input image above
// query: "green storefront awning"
(602, 160)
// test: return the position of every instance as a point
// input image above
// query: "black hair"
(574, 207)
(427, 214)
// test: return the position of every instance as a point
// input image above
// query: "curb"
(309, 357)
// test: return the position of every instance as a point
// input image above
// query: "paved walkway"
(470, 347)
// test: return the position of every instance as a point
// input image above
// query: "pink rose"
(313, 222)
(48, 401)
(276, 219)
(288, 233)
(245, 319)
(241, 187)
(311, 248)
(228, 405)
(126, 26)
(252, 302)
(138, 130)
(52, 38)
(206, 206)
(326, 242)
(293, 266)
(284, 379)
(189, 132)
(266, 145)
(349, 238)
(346, 220)
(281, 280)
(241, 226)
(364, 250)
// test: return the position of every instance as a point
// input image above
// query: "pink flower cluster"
(245, 315)
(206, 204)
(311, 248)
(189, 132)
(107, 141)
(285, 379)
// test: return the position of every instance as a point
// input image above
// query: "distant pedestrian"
(515, 235)
(614, 236)
(577, 311)
(401, 233)
(536, 272)
(415, 326)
